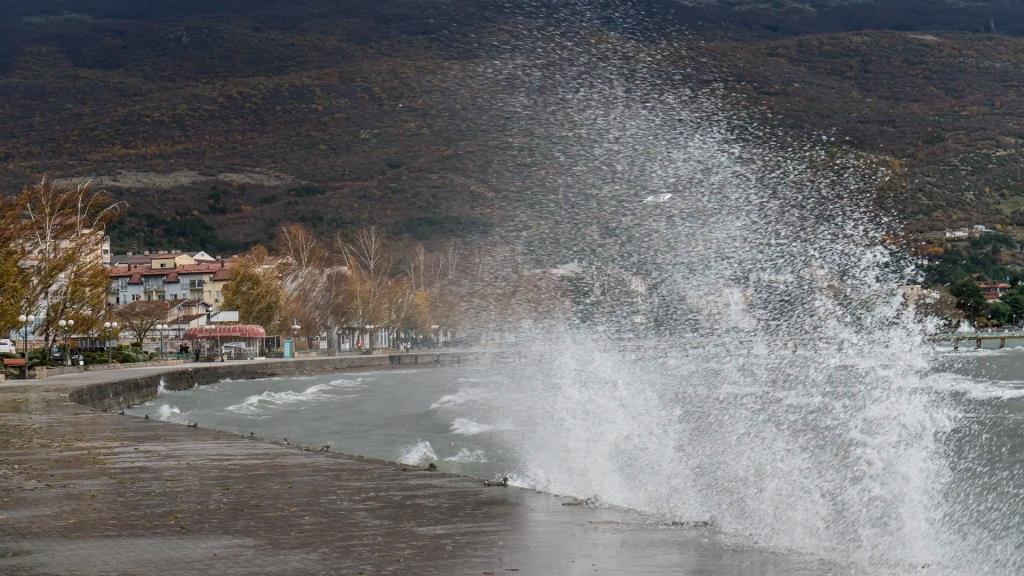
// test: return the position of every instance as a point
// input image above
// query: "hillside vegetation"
(219, 121)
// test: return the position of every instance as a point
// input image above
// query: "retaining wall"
(130, 391)
(41, 372)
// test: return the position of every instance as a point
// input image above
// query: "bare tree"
(313, 285)
(142, 317)
(369, 268)
(62, 235)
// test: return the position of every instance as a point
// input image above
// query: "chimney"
(129, 254)
(145, 252)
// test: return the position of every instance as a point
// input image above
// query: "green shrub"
(129, 356)
(37, 357)
(95, 357)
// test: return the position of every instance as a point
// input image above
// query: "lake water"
(411, 416)
(479, 421)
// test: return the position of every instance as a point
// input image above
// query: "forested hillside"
(218, 121)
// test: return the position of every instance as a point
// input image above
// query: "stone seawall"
(130, 391)
(43, 372)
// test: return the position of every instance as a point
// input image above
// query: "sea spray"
(761, 370)
(465, 455)
(419, 454)
(469, 427)
(169, 413)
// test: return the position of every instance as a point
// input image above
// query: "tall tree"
(63, 230)
(368, 265)
(311, 284)
(13, 277)
(969, 298)
(256, 291)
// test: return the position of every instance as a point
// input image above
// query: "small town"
(538, 288)
(72, 301)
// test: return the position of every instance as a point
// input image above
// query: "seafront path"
(91, 492)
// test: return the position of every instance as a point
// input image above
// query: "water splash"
(169, 413)
(465, 455)
(419, 454)
(768, 377)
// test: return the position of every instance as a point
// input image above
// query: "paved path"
(84, 492)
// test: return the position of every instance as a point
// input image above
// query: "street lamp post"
(163, 332)
(109, 328)
(295, 329)
(25, 321)
(67, 325)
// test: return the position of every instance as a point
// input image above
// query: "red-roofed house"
(165, 279)
(993, 290)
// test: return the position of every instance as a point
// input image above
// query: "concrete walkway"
(84, 492)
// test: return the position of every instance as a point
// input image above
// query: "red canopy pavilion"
(236, 342)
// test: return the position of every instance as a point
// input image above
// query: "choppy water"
(411, 416)
(768, 378)
(792, 486)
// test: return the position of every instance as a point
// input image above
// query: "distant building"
(161, 257)
(167, 276)
(105, 251)
(958, 233)
(993, 290)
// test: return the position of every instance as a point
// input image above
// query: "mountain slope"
(218, 121)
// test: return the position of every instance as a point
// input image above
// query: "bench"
(13, 362)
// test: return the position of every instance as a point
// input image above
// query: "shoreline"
(90, 492)
(123, 392)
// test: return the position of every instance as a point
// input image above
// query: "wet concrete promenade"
(86, 492)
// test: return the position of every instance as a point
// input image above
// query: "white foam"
(344, 383)
(466, 455)
(976, 389)
(467, 427)
(461, 397)
(419, 454)
(168, 413)
(258, 402)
